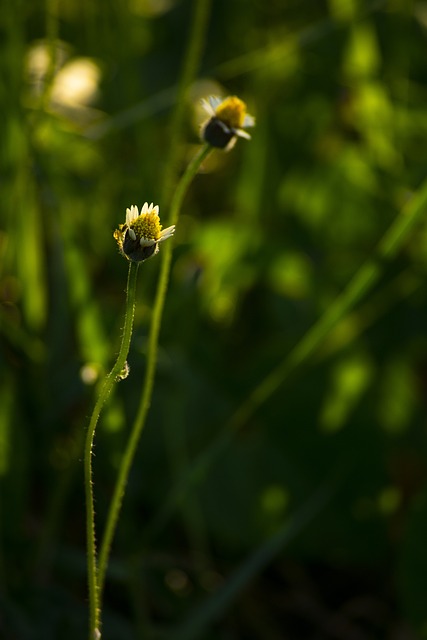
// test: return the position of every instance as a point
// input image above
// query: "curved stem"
(110, 380)
(139, 423)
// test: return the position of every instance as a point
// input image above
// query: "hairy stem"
(110, 380)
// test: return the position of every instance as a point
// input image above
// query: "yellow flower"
(228, 121)
(139, 237)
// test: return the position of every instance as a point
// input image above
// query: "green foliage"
(275, 492)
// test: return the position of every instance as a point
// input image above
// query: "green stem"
(110, 380)
(139, 423)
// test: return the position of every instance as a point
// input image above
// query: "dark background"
(309, 520)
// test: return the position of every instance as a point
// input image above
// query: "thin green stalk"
(139, 423)
(52, 33)
(110, 380)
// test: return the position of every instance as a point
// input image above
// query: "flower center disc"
(147, 226)
(232, 112)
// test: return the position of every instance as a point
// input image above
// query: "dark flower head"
(139, 237)
(228, 121)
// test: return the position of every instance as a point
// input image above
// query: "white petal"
(144, 208)
(147, 242)
(207, 107)
(156, 210)
(167, 233)
(214, 102)
(132, 234)
(131, 214)
(249, 121)
(242, 134)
